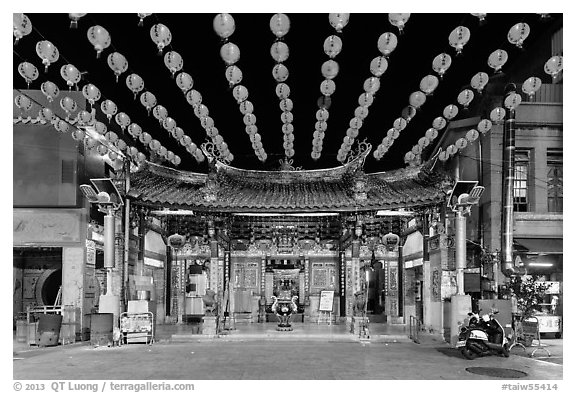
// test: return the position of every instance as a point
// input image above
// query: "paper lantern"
(201, 111)
(431, 133)
(194, 97)
(169, 124)
(47, 52)
(330, 69)
(408, 113)
(458, 38)
(439, 123)
(428, 84)
(91, 93)
(400, 124)
(100, 128)
(28, 71)
(465, 97)
(484, 126)
(417, 99)
(173, 61)
(399, 20)
(50, 90)
(338, 21)
(497, 115)
(512, 101)
(21, 26)
(161, 36)
(518, 33)
(240, 93)
(472, 135)
(497, 59)
(279, 51)
(441, 63)
(122, 119)
(233, 75)
(134, 130)
(148, 100)
(450, 111)
(280, 73)
(554, 66)
(117, 63)
(531, 86)
(247, 107)
(230, 53)
(99, 38)
(142, 16)
(224, 25)
(74, 18)
(387, 42)
(135, 83)
(378, 66)
(332, 46)
(184, 82)
(280, 25)
(327, 87)
(70, 74)
(479, 81)
(160, 113)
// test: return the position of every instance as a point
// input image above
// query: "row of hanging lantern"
(280, 25)
(458, 38)
(329, 69)
(100, 38)
(224, 26)
(516, 35)
(387, 43)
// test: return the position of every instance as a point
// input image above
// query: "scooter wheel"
(506, 350)
(468, 353)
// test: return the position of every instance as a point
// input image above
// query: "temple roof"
(343, 188)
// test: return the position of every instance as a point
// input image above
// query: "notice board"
(326, 300)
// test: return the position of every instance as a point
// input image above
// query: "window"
(555, 180)
(521, 167)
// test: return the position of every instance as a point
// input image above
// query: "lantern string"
(418, 157)
(130, 70)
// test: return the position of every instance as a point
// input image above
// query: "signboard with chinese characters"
(326, 300)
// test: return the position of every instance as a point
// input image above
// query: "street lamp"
(464, 195)
(105, 195)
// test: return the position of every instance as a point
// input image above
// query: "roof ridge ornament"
(286, 165)
(213, 153)
(360, 153)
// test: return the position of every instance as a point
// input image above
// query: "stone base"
(209, 326)
(356, 322)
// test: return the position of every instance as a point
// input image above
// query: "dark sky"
(424, 37)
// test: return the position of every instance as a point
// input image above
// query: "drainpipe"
(507, 227)
(126, 233)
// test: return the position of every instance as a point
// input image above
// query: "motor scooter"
(482, 337)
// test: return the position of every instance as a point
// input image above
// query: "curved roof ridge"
(185, 176)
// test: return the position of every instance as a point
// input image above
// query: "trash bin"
(48, 329)
(101, 329)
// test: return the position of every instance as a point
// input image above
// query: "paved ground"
(224, 359)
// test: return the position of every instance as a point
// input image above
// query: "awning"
(539, 245)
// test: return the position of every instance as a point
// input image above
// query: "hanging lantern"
(111, 137)
(481, 17)
(441, 63)
(201, 111)
(431, 133)
(206, 122)
(400, 124)
(134, 130)
(135, 83)
(428, 84)
(332, 46)
(330, 69)
(140, 158)
(28, 71)
(286, 129)
(387, 42)
(388, 140)
(409, 156)
(122, 119)
(479, 81)
(324, 101)
(287, 117)
(399, 20)
(173, 62)
(177, 133)
(417, 99)
(78, 135)
(439, 123)
(184, 81)
(100, 128)
(145, 138)
(372, 85)
(99, 38)
(46, 115)
(233, 75)
(194, 97)
(132, 151)
(512, 101)
(250, 119)
(279, 51)
(280, 73)
(61, 126)
(121, 145)
(118, 63)
(472, 135)
(451, 150)
(68, 105)
(160, 113)
(450, 111)
(112, 155)
(224, 25)
(142, 16)
(47, 52)
(161, 36)
(465, 97)
(321, 126)
(497, 59)
(280, 25)
(50, 90)
(497, 115)
(84, 118)
(282, 90)
(186, 141)
(458, 38)
(74, 18)
(531, 86)
(338, 21)
(240, 93)
(461, 143)
(247, 107)
(408, 113)
(485, 125)
(70, 74)
(378, 66)
(554, 67)
(154, 145)
(230, 53)
(356, 123)
(102, 150)
(148, 100)
(361, 112)
(23, 102)
(22, 26)
(327, 87)
(518, 33)
(365, 99)
(417, 149)
(91, 93)
(109, 108)
(176, 160)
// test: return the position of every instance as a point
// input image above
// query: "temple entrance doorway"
(376, 288)
(286, 276)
